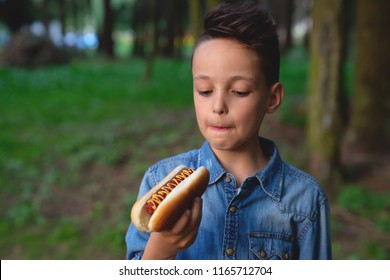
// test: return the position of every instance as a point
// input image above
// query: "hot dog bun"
(174, 204)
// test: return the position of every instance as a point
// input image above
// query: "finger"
(182, 222)
(196, 212)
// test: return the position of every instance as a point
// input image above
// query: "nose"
(220, 106)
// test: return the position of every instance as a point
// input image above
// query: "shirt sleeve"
(135, 239)
(316, 241)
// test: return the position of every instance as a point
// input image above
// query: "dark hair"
(249, 24)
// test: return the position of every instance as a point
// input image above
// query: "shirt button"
(229, 251)
(228, 179)
(232, 209)
(263, 254)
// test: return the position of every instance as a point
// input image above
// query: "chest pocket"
(270, 246)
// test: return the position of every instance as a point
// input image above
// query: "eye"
(241, 93)
(205, 92)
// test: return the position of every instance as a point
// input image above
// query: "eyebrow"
(233, 78)
(201, 77)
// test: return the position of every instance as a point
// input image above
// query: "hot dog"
(162, 206)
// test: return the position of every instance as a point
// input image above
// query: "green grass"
(58, 122)
(39, 108)
(372, 216)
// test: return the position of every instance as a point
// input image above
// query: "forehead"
(225, 54)
(223, 46)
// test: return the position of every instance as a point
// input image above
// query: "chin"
(221, 146)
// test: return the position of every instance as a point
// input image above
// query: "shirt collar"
(209, 160)
(270, 177)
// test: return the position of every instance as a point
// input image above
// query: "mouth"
(220, 128)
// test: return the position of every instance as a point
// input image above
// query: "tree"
(283, 12)
(325, 91)
(174, 13)
(159, 27)
(151, 53)
(62, 16)
(139, 24)
(370, 122)
(212, 3)
(16, 13)
(195, 18)
(107, 43)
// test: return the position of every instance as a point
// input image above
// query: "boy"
(256, 206)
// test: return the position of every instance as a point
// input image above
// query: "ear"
(275, 98)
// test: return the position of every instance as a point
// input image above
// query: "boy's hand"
(166, 244)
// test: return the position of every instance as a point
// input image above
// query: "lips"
(220, 127)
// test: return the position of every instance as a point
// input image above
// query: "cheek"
(251, 117)
(199, 112)
(200, 105)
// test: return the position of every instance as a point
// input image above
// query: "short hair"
(249, 24)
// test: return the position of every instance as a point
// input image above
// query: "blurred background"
(92, 92)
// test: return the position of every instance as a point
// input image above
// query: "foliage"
(358, 200)
(61, 123)
(370, 212)
(293, 76)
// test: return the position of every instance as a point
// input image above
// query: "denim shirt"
(278, 213)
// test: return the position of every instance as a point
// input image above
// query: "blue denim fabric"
(278, 213)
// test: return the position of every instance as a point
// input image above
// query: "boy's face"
(230, 94)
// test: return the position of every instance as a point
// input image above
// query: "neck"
(242, 162)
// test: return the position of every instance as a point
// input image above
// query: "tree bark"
(108, 21)
(370, 122)
(152, 51)
(283, 13)
(62, 16)
(212, 3)
(195, 18)
(325, 90)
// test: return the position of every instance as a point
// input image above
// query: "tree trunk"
(45, 16)
(370, 121)
(75, 15)
(107, 41)
(170, 31)
(152, 51)
(139, 24)
(62, 16)
(283, 12)
(325, 90)
(195, 18)
(289, 10)
(212, 3)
